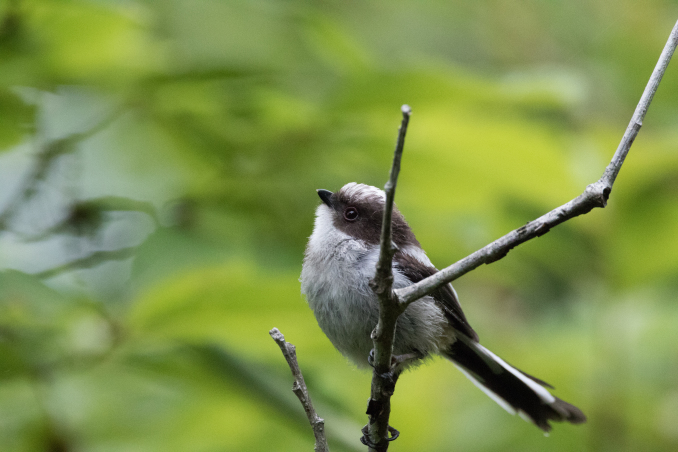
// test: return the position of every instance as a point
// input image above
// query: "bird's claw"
(365, 439)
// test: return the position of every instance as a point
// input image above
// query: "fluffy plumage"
(339, 262)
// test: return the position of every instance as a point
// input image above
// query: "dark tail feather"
(514, 390)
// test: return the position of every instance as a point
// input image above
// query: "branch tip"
(301, 391)
(277, 335)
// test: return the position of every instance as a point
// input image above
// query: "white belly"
(336, 285)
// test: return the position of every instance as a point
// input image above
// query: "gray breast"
(336, 286)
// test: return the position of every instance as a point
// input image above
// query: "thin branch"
(300, 390)
(637, 120)
(595, 195)
(393, 302)
(383, 382)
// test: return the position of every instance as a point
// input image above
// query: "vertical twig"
(383, 381)
(301, 391)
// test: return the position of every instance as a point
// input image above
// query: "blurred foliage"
(158, 161)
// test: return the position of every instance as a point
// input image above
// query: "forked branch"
(595, 195)
(393, 302)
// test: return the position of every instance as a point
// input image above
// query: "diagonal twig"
(595, 195)
(396, 301)
(301, 391)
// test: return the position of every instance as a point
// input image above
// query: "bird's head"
(357, 211)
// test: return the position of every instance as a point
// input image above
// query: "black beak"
(325, 195)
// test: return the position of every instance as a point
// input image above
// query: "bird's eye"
(351, 214)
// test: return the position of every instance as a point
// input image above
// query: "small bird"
(339, 263)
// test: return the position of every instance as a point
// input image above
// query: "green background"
(158, 168)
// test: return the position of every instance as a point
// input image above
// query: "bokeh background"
(158, 167)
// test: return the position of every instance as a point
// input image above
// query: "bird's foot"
(365, 439)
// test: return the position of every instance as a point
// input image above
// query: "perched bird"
(339, 262)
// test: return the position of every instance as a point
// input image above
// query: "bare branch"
(383, 280)
(595, 195)
(637, 120)
(300, 390)
(393, 303)
(383, 382)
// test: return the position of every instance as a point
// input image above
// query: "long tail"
(511, 388)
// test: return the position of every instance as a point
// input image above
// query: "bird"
(339, 262)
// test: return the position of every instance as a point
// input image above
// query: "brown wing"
(415, 271)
